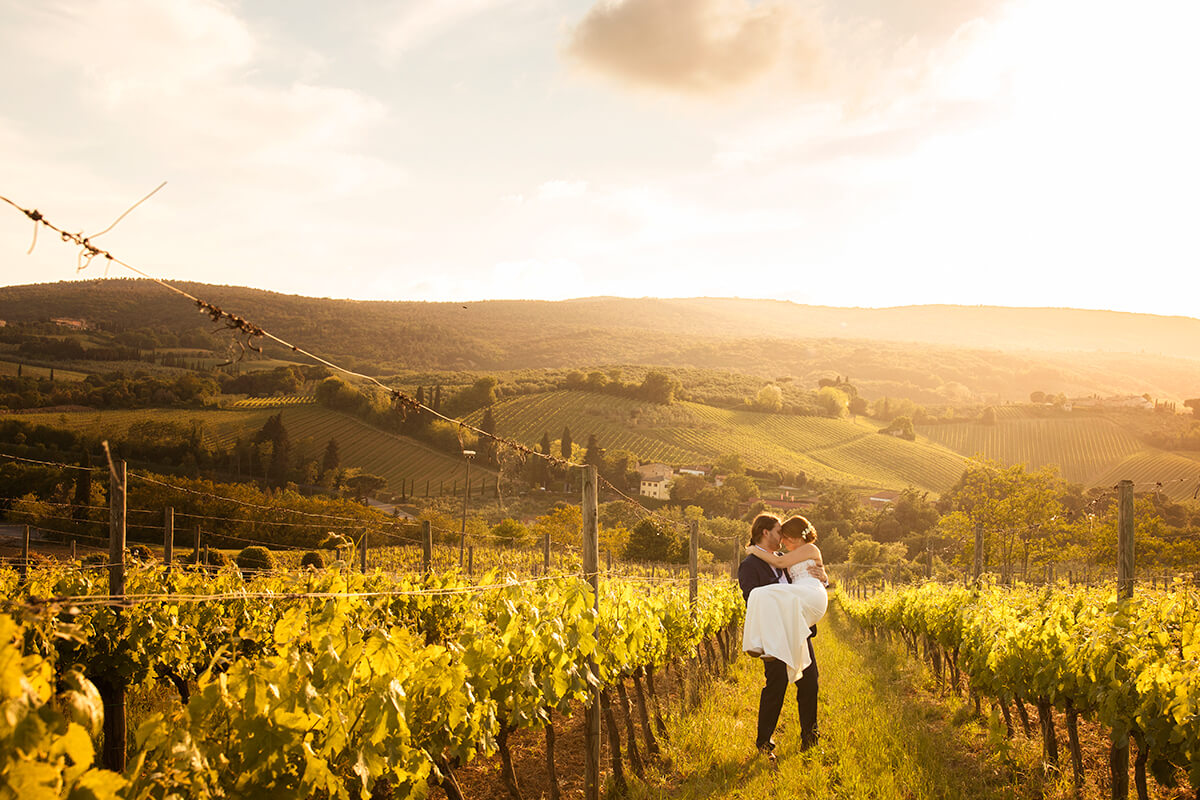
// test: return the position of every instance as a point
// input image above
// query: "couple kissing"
(784, 584)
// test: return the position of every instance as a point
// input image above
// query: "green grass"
(845, 451)
(882, 736)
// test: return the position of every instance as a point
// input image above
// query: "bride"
(779, 616)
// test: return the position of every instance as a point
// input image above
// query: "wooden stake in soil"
(508, 775)
(426, 546)
(168, 537)
(693, 562)
(551, 771)
(1118, 757)
(652, 747)
(23, 570)
(591, 574)
(978, 551)
(635, 755)
(1008, 723)
(112, 690)
(1024, 716)
(659, 725)
(1049, 739)
(1073, 745)
(614, 744)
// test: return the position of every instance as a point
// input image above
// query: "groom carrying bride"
(785, 596)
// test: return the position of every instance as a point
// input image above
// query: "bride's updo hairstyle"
(798, 528)
(762, 524)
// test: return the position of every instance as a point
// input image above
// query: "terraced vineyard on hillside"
(1082, 447)
(838, 450)
(1179, 473)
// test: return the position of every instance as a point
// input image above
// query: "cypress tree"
(488, 425)
(332, 458)
(566, 446)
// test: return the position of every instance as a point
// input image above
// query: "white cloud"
(127, 47)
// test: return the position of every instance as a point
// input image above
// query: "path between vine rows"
(883, 735)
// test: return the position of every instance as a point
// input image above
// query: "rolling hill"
(930, 354)
(309, 428)
(1089, 449)
(850, 452)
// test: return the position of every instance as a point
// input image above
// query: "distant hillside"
(843, 451)
(310, 427)
(931, 354)
(1092, 449)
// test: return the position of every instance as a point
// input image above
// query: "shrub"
(214, 559)
(255, 558)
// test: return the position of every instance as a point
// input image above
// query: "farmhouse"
(880, 499)
(655, 470)
(655, 479)
(69, 322)
(656, 488)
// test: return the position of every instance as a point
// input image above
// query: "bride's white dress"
(779, 615)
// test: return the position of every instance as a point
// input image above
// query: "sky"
(833, 152)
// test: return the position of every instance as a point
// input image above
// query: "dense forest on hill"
(929, 354)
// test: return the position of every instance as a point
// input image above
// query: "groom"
(753, 573)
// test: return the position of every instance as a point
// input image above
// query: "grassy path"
(881, 737)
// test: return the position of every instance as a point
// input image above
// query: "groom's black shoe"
(809, 741)
(767, 751)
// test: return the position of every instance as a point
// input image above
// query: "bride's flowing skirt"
(778, 618)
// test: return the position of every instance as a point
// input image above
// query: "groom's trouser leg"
(806, 699)
(770, 702)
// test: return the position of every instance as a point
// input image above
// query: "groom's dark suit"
(753, 573)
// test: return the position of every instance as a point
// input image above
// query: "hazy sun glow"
(1028, 152)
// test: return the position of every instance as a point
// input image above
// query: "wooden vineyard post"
(470, 559)
(196, 545)
(591, 574)
(978, 551)
(693, 562)
(426, 547)
(168, 537)
(693, 596)
(1118, 757)
(546, 554)
(72, 551)
(23, 570)
(1125, 570)
(112, 690)
(362, 554)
